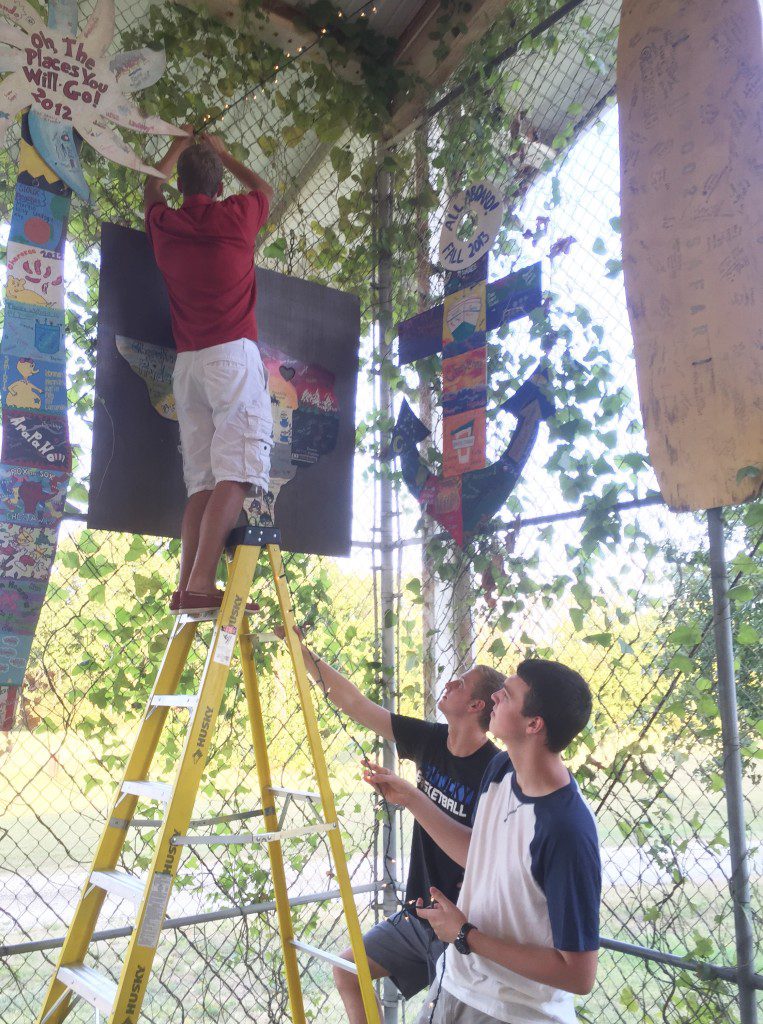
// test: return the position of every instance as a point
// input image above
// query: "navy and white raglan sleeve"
(497, 769)
(567, 866)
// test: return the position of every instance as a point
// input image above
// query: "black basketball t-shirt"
(452, 783)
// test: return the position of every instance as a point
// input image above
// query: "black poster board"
(136, 476)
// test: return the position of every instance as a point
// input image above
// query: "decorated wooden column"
(468, 493)
(691, 154)
(71, 91)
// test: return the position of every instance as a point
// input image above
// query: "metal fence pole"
(732, 768)
(384, 186)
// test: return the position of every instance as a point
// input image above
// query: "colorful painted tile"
(464, 314)
(34, 171)
(26, 552)
(33, 439)
(33, 331)
(32, 496)
(39, 218)
(20, 604)
(9, 693)
(27, 383)
(463, 442)
(35, 276)
(467, 370)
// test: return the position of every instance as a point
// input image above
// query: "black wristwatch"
(460, 941)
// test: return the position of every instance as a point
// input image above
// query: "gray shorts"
(449, 1010)
(407, 949)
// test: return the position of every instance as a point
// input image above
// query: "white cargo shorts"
(223, 408)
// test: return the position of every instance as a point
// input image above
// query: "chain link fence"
(583, 564)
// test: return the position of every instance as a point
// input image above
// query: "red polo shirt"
(205, 251)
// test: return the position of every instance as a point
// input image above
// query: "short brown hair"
(490, 681)
(558, 695)
(200, 171)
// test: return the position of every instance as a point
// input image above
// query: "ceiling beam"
(415, 54)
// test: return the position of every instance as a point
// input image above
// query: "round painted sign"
(483, 205)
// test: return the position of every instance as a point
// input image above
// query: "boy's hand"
(385, 782)
(280, 632)
(443, 915)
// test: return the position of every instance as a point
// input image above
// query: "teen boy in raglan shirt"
(205, 252)
(524, 934)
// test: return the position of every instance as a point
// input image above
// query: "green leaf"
(341, 161)
(747, 636)
(686, 635)
(268, 145)
(602, 639)
(292, 135)
(276, 250)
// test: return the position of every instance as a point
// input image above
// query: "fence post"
(429, 587)
(732, 768)
(389, 832)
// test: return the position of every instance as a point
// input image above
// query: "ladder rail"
(336, 843)
(141, 949)
(56, 1003)
(275, 852)
(122, 1001)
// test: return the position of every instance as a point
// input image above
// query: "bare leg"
(348, 987)
(219, 518)
(189, 534)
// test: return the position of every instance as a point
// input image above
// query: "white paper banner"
(12, 101)
(99, 31)
(13, 37)
(103, 138)
(127, 115)
(10, 59)
(138, 69)
(22, 14)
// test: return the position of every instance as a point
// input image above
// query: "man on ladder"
(205, 251)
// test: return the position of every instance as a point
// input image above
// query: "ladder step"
(322, 954)
(119, 883)
(295, 794)
(90, 985)
(182, 618)
(175, 700)
(245, 838)
(161, 791)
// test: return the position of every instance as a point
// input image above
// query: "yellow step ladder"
(120, 1002)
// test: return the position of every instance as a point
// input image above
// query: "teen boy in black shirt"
(450, 761)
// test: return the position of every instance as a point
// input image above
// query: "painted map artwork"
(469, 492)
(305, 407)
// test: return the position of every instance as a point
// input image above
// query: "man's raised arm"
(345, 695)
(152, 191)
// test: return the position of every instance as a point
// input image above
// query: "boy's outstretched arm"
(248, 178)
(152, 191)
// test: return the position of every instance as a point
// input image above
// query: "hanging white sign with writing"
(482, 205)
